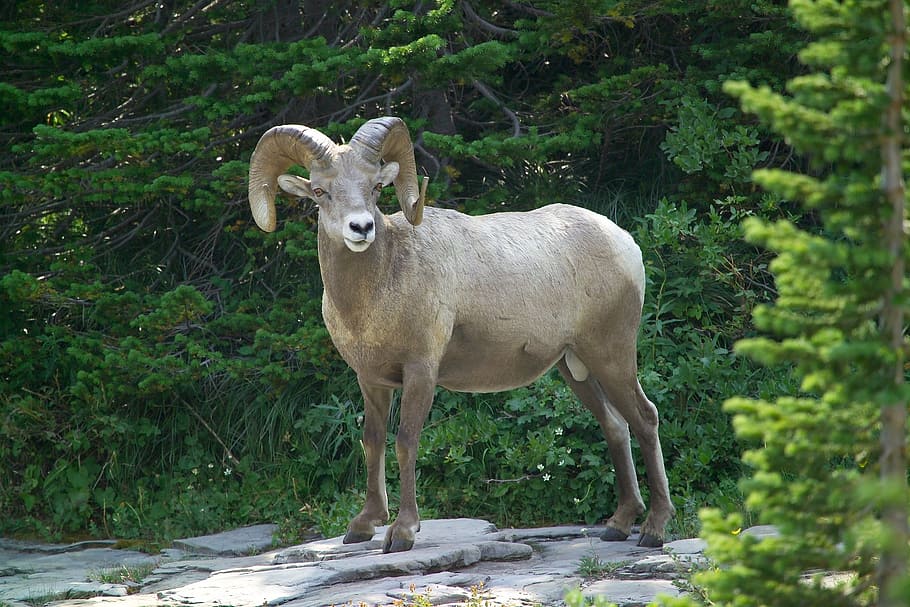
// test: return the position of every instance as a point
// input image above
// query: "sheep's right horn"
(388, 139)
(279, 148)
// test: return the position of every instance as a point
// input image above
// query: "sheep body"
(474, 304)
(495, 300)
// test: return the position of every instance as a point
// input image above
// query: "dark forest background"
(164, 369)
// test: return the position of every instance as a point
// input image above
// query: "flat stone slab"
(694, 545)
(432, 534)
(453, 562)
(631, 592)
(237, 542)
(304, 571)
(762, 531)
(32, 571)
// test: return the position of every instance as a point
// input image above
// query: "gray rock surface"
(31, 571)
(237, 542)
(452, 561)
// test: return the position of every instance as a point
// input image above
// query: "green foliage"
(701, 142)
(816, 451)
(122, 574)
(703, 281)
(149, 330)
(424, 598)
(575, 598)
(593, 567)
(546, 445)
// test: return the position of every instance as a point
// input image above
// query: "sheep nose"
(361, 228)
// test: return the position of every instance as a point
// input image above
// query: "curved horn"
(388, 139)
(279, 148)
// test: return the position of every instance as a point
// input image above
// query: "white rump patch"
(577, 368)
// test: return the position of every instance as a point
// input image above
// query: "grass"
(122, 574)
(424, 599)
(686, 583)
(594, 568)
(575, 598)
(39, 600)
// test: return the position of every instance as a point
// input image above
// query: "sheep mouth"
(357, 246)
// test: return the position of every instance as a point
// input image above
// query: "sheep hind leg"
(616, 431)
(377, 402)
(624, 391)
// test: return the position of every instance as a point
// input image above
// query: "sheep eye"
(318, 192)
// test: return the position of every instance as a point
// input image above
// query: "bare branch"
(346, 112)
(202, 5)
(490, 28)
(503, 481)
(115, 17)
(437, 166)
(530, 10)
(486, 92)
(214, 434)
(374, 24)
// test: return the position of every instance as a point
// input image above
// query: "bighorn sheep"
(477, 304)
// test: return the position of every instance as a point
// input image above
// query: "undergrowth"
(276, 436)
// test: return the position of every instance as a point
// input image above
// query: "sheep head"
(345, 180)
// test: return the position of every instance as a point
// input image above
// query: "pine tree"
(830, 466)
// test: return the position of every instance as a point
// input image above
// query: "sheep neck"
(350, 278)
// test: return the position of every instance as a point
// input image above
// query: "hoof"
(611, 534)
(356, 537)
(646, 540)
(397, 546)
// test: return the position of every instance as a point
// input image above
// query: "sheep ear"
(388, 173)
(296, 186)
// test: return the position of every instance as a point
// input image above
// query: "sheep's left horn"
(388, 139)
(278, 149)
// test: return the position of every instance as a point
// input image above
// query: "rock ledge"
(510, 567)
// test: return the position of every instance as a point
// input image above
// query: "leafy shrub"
(706, 140)
(532, 456)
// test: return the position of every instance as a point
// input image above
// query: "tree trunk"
(280, 22)
(894, 562)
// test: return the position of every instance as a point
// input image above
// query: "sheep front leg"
(376, 401)
(419, 384)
